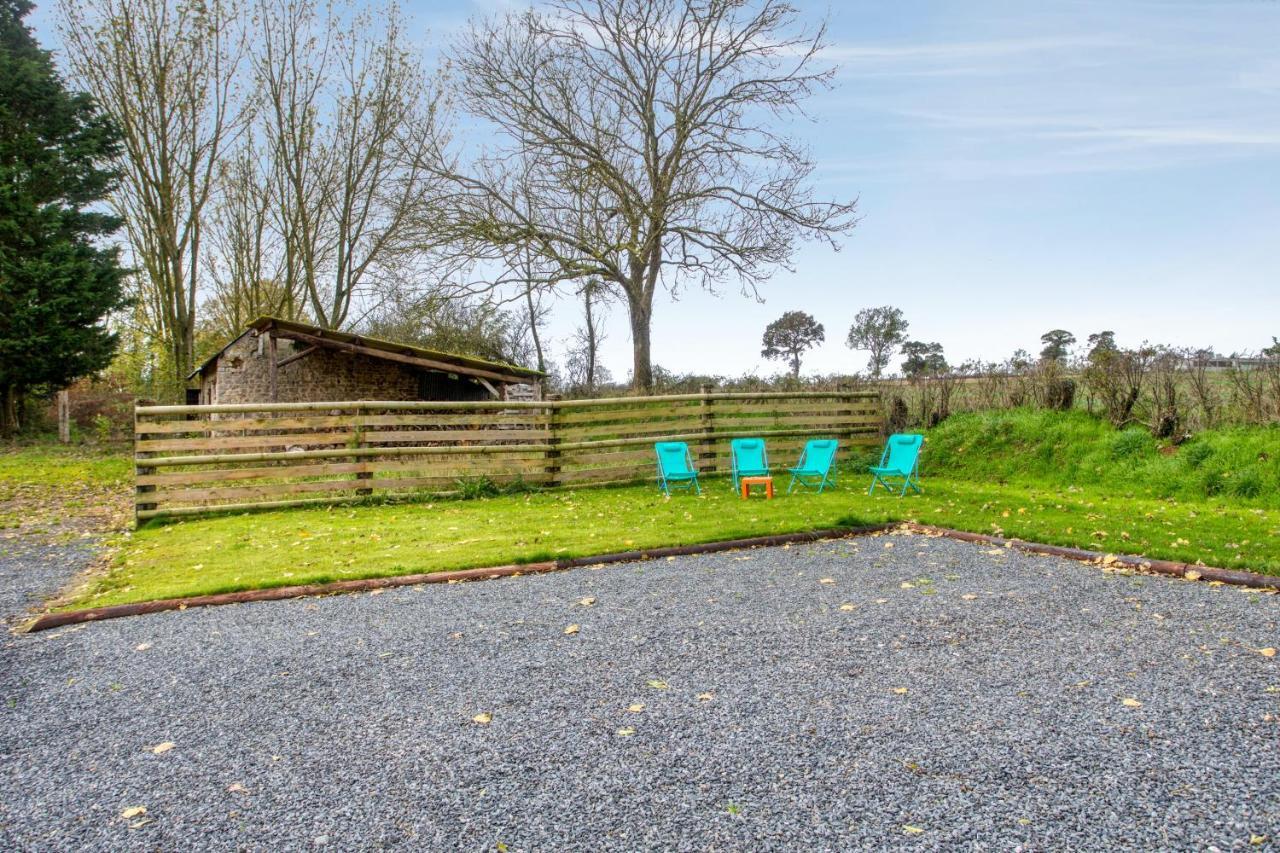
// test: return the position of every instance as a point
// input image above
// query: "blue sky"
(1019, 167)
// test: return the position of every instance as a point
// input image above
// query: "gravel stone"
(348, 721)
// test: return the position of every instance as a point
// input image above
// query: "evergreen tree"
(56, 283)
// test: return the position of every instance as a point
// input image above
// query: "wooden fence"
(199, 459)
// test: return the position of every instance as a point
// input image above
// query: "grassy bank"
(1238, 465)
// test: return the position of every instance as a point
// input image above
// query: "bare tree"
(583, 371)
(245, 259)
(652, 128)
(350, 121)
(167, 73)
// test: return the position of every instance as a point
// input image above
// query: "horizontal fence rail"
(199, 459)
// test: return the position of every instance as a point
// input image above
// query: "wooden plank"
(623, 472)
(423, 419)
(479, 437)
(229, 442)
(625, 430)
(413, 405)
(637, 457)
(357, 453)
(524, 462)
(629, 414)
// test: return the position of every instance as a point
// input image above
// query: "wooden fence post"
(360, 443)
(706, 418)
(551, 465)
(64, 416)
(140, 470)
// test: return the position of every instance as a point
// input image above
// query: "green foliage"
(56, 283)
(923, 359)
(787, 338)
(1076, 449)
(1058, 341)
(878, 331)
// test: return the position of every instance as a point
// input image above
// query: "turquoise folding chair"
(816, 465)
(749, 459)
(900, 460)
(675, 466)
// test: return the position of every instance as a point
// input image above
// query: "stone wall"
(242, 375)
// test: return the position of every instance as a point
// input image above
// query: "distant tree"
(923, 359)
(583, 371)
(56, 284)
(879, 331)
(1056, 343)
(789, 336)
(1272, 351)
(1101, 342)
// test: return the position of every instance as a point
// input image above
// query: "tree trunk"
(642, 369)
(8, 411)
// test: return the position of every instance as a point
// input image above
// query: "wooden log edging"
(117, 611)
(1235, 577)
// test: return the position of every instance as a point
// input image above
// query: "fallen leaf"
(706, 697)
(133, 811)
(161, 748)
(1268, 652)
(1257, 840)
(907, 585)
(901, 691)
(484, 718)
(848, 607)
(586, 602)
(626, 731)
(141, 647)
(1129, 702)
(827, 580)
(636, 707)
(888, 545)
(572, 629)
(995, 552)
(658, 684)
(1192, 575)
(968, 596)
(138, 824)
(237, 788)
(914, 830)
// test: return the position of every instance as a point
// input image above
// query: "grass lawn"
(54, 491)
(281, 548)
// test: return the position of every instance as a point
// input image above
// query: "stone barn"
(282, 361)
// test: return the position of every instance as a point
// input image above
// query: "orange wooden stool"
(748, 482)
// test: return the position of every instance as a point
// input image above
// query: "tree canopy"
(923, 359)
(57, 285)
(789, 336)
(879, 331)
(1056, 344)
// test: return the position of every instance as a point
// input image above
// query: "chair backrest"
(818, 453)
(749, 454)
(901, 452)
(673, 457)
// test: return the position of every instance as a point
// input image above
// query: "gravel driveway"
(891, 691)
